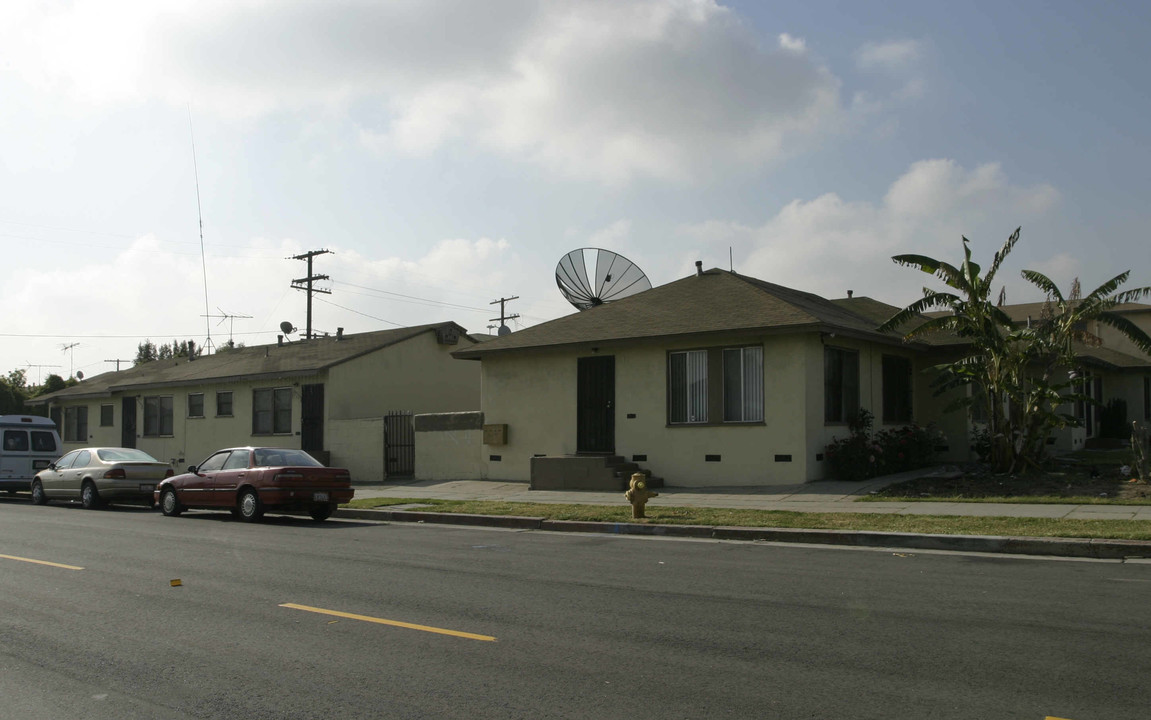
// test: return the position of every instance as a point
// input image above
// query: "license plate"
(320, 497)
(147, 488)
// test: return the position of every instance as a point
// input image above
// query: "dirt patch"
(1080, 477)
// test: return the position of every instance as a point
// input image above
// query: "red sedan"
(250, 480)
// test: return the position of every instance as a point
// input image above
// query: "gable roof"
(258, 361)
(714, 301)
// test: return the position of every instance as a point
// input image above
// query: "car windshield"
(124, 455)
(281, 457)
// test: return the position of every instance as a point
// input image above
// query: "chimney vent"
(339, 334)
(699, 267)
(850, 293)
(279, 340)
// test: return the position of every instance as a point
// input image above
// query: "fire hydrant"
(637, 494)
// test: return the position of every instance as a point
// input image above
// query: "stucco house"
(347, 399)
(715, 379)
(1113, 370)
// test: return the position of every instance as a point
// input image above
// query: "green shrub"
(861, 455)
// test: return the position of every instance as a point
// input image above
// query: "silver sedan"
(96, 476)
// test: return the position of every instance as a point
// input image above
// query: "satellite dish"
(504, 330)
(590, 276)
(287, 328)
(79, 374)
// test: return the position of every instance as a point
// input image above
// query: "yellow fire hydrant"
(637, 494)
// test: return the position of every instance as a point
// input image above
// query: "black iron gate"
(128, 422)
(399, 444)
(312, 418)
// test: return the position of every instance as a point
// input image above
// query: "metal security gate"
(399, 444)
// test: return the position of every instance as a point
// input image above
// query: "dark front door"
(128, 423)
(595, 405)
(312, 418)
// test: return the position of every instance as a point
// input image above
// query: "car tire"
(322, 511)
(169, 505)
(38, 496)
(90, 496)
(249, 506)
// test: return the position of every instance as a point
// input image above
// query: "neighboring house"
(1114, 370)
(346, 399)
(716, 379)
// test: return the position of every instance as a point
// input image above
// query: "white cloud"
(899, 62)
(899, 55)
(828, 245)
(794, 44)
(609, 91)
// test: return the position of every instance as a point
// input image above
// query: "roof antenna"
(200, 216)
(730, 261)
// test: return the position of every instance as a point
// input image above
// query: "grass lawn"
(929, 524)
(1086, 477)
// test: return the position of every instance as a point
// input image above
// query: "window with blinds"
(687, 387)
(743, 384)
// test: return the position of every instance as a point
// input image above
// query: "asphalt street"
(343, 619)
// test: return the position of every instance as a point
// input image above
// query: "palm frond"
(1107, 288)
(1130, 330)
(1044, 283)
(1001, 255)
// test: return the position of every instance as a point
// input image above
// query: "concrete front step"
(585, 472)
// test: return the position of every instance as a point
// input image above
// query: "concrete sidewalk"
(821, 496)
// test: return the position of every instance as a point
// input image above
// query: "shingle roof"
(712, 302)
(1111, 358)
(1019, 312)
(295, 358)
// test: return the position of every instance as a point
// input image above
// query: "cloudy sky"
(450, 152)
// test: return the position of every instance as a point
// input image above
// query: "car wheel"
(169, 505)
(322, 512)
(89, 496)
(38, 496)
(251, 509)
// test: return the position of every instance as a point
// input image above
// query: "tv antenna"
(38, 369)
(70, 349)
(228, 317)
(200, 216)
(588, 277)
(118, 361)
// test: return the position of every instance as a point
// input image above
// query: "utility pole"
(118, 363)
(305, 284)
(504, 329)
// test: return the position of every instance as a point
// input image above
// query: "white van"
(27, 445)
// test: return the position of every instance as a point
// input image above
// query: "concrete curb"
(1059, 547)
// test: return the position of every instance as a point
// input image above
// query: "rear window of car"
(284, 457)
(16, 441)
(124, 455)
(43, 441)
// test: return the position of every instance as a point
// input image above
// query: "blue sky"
(449, 153)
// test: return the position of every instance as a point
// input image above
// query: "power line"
(329, 302)
(120, 337)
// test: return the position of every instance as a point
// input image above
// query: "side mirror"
(51, 466)
(192, 469)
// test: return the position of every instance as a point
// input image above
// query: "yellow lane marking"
(41, 562)
(382, 621)
(1052, 717)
